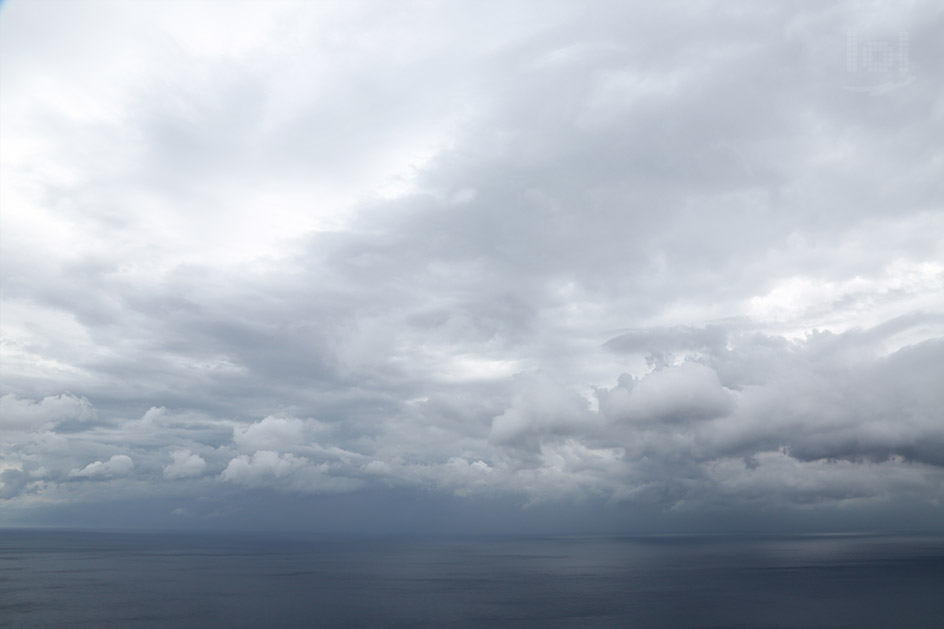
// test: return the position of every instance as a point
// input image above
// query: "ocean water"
(84, 579)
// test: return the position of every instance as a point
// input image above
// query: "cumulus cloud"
(117, 465)
(682, 393)
(266, 468)
(541, 407)
(276, 433)
(186, 464)
(25, 414)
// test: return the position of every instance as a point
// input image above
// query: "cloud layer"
(683, 261)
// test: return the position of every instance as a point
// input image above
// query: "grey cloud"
(12, 482)
(676, 436)
(638, 255)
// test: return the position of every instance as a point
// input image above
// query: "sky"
(459, 267)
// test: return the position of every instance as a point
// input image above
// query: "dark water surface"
(82, 579)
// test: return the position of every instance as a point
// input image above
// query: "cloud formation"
(117, 465)
(653, 258)
(185, 465)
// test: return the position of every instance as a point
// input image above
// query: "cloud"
(185, 465)
(824, 420)
(542, 407)
(635, 255)
(22, 414)
(118, 465)
(266, 468)
(683, 393)
(12, 482)
(278, 433)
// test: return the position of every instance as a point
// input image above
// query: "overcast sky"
(458, 267)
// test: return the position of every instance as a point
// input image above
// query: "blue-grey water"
(84, 579)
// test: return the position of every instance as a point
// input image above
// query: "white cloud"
(117, 465)
(284, 471)
(687, 392)
(272, 433)
(23, 414)
(185, 465)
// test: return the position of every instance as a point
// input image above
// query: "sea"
(55, 578)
